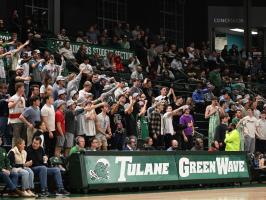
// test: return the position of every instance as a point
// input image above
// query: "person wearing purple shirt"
(187, 120)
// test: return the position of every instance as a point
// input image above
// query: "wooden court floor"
(245, 193)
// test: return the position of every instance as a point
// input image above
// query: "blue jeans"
(11, 181)
(27, 177)
(43, 171)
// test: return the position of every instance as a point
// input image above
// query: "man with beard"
(17, 77)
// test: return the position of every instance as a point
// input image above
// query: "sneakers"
(43, 193)
(31, 193)
(19, 193)
(62, 192)
(26, 194)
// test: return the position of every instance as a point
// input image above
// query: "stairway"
(202, 125)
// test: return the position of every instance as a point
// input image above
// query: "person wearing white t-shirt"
(86, 67)
(249, 124)
(162, 96)
(86, 89)
(261, 139)
(16, 106)
(168, 129)
(48, 116)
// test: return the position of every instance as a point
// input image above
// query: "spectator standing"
(70, 121)
(73, 83)
(85, 67)
(58, 85)
(220, 131)
(187, 120)
(4, 111)
(31, 115)
(232, 139)
(137, 74)
(52, 69)
(17, 78)
(103, 127)
(16, 105)
(62, 139)
(198, 98)
(15, 54)
(168, 129)
(156, 126)
(212, 113)
(36, 66)
(48, 116)
(261, 137)
(249, 124)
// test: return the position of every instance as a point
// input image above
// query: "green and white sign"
(193, 167)
(139, 168)
(120, 169)
(5, 36)
(55, 45)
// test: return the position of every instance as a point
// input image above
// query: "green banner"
(141, 167)
(5, 36)
(119, 169)
(55, 45)
(192, 167)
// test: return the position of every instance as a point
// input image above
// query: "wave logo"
(101, 170)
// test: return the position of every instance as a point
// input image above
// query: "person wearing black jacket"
(35, 154)
(41, 132)
(4, 111)
(220, 131)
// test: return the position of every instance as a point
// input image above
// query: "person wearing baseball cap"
(61, 97)
(58, 85)
(60, 128)
(16, 78)
(74, 95)
(71, 123)
(36, 64)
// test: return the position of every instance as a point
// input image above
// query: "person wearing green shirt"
(79, 147)
(215, 78)
(232, 139)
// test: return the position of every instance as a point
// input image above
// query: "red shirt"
(60, 117)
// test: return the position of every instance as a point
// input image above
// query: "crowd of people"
(48, 113)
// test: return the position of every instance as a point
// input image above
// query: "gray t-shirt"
(2, 69)
(32, 115)
(81, 123)
(36, 72)
(104, 121)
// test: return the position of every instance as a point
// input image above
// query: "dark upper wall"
(144, 13)
(7, 6)
(78, 14)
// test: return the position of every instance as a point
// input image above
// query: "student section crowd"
(46, 112)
